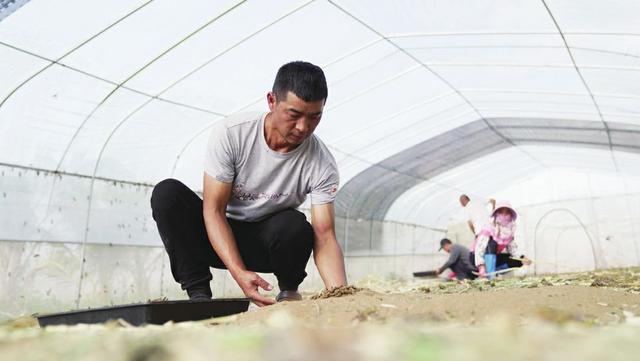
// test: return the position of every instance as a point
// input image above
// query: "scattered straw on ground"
(627, 280)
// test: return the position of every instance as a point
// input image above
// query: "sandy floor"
(583, 316)
(554, 303)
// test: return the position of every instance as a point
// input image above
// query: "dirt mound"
(336, 292)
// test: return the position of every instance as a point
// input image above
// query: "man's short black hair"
(304, 79)
(443, 242)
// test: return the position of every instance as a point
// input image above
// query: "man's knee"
(510, 262)
(292, 229)
(165, 194)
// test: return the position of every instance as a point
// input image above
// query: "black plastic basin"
(150, 313)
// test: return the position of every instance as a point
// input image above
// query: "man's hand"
(525, 261)
(438, 272)
(249, 283)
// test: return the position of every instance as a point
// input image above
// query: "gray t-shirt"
(458, 253)
(265, 181)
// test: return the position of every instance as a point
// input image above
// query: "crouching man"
(258, 169)
(459, 261)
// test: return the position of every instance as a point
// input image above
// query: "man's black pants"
(462, 272)
(280, 244)
(503, 260)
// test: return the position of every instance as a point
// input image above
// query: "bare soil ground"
(554, 303)
(585, 316)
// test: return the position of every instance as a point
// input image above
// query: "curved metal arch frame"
(188, 144)
(584, 228)
(59, 59)
(584, 81)
(426, 67)
(588, 49)
(491, 33)
(140, 70)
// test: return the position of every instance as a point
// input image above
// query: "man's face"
(447, 247)
(464, 201)
(294, 118)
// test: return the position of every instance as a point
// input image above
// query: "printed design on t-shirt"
(240, 194)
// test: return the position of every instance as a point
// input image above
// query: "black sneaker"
(288, 296)
(199, 294)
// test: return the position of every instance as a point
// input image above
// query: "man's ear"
(271, 101)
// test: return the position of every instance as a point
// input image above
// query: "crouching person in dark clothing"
(259, 167)
(459, 261)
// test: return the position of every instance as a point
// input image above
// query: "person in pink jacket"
(495, 247)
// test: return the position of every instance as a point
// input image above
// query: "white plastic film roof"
(427, 99)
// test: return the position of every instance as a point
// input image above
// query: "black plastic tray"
(150, 313)
(425, 274)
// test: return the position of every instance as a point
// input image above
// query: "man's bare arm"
(216, 197)
(473, 229)
(327, 253)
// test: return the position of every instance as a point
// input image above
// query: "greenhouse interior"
(535, 103)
